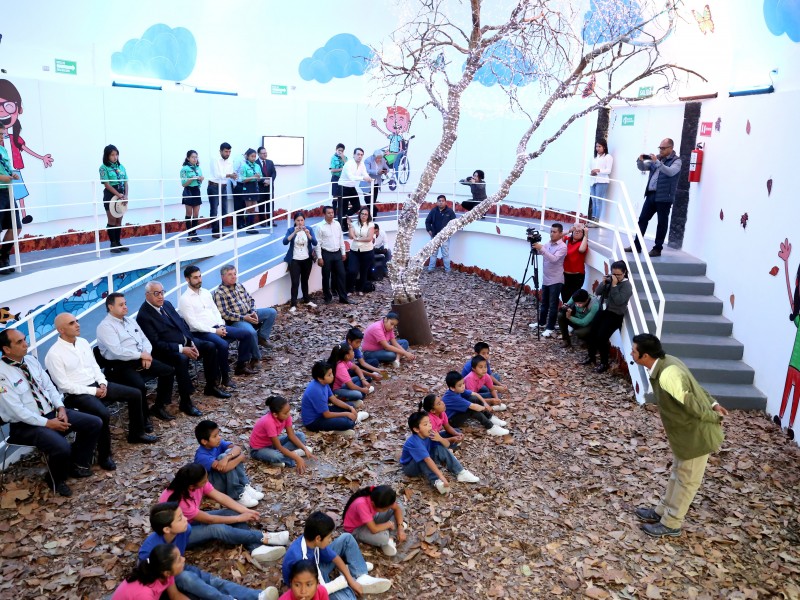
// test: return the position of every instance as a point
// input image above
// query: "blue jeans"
(335, 424)
(271, 455)
(348, 395)
(236, 534)
(247, 346)
(266, 319)
(200, 585)
(441, 456)
(384, 356)
(548, 307)
(444, 249)
(484, 392)
(345, 547)
(598, 192)
(231, 483)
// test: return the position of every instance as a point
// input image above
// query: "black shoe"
(123, 248)
(148, 427)
(327, 300)
(62, 489)
(142, 438)
(347, 301)
(587, 361)
(216, 236)
(116, 250)
(654, 253)
(648, 515)
(227, 383)
(107, 464)
(159, 412)
(658, 530)
(216, 392)
(601, 368)
(80, 472)
(790, 433)
(252, 232)
(777, 420)
(191, 410)
(243, 369)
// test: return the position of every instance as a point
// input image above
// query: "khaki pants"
(684, 481)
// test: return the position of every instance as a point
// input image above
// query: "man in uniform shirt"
(34, 410)
(221, 171)
(334, 253)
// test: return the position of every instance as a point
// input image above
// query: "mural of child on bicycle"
(397, 121)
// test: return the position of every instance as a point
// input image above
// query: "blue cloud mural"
(607, 19)
(342, 56)
(505, 64)
(162, 53)
(783, 16)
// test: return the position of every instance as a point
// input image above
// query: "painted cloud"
(607, 19)
(162, 53)
(505, 64)
(783, 16)
(342, 56)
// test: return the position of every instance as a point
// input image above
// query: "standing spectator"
(376, 168)
(575, 262)
(614, 294)
(353, 173)
(238, 308)
(299, 257)
(191, 178)
(598, 192)
(361, 235)
(478, 188)
(266, 186)
(222, 172)
(382, 254)
(553, 254)
(7, 213)
(247, 191)
(115, 195)
(334, 253)
(436, 220)
(337, 162)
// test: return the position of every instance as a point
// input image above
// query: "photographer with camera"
(553, 254)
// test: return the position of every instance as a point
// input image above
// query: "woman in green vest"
(115, 195)
(191, 178)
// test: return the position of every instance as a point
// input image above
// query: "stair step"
(687, 303)
(702, 346)
(698, 324)
(668, 264)
(737, 397)
(716, 370)
(680, 284)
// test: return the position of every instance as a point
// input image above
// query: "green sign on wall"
(627, 120)
(70, 67)
(645, 91)
(279, 90)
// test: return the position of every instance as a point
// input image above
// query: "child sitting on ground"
(150, 578)
(304, 583)
(354, 337)
(268, 445)
(371, 513)
(463, 404)
(316, 411)
(433, 405)
(482, 349)
(223, 463)
(317, 544)
(381, 344)
(420, 455)
(351, 389)
(171, 527)
(480, 381)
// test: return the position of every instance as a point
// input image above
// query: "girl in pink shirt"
(349, 389)
(154, 576)
(434, 406)
(371, 513)
(479, 381)
(268, 445)
(304, 582)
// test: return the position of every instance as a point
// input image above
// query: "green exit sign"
(628, 120)
(70, 67)
(279, 90)
(645, 91)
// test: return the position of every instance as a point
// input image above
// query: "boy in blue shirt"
(223, 463)
(482, 349)
(463, 404)
(171, 527)
(316, 411)
(354, 338)
(317, 544)
(420, 455)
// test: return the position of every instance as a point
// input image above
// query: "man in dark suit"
(173, 344)
(266, 187)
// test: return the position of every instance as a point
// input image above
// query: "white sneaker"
(293, 309)
(362, 416)
(348, 433)
(268, 553)
(548, 333)
(396, 363)
(440, 486)
(370, 566)
(311, 305)
(371, 389)
(247, 500)
(499, 407)
(497, 421)
(358, 404)
(253, 492)
(533, 326)
(390, 549)
(337, 585)
(498, 431)
(270, 593)
(373, 585)
(299, 452)
(467, 477)
(280, 538)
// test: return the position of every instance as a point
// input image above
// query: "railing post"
(177, 271)
(544, 195)
(110, 278)
(96, 220)
(12, 204)
(163, 213)
(235, 237)
(32, 337)
(581, 181)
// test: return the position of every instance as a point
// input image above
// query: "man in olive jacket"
(691, 419)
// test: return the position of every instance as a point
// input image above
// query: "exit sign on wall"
(628, 120)
(706, 128)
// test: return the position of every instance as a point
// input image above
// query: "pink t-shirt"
(137, 591)
(438, 421)
(474, 383)
(373, 336)
(342, 375)
(267, 427)
(190, 506)
(322, 594)
(359, 513)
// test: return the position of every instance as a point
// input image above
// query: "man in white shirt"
(127, 359)
(222, 170)
(353, 173)
(35, 412)
(198, 309)
(77, 375)
(332, 256)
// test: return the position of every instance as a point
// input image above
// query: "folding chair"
(5, 434)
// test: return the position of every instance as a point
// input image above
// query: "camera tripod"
(535, 278)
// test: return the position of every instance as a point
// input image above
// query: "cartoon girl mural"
(10, 111)
(398, 121)
(793, 373)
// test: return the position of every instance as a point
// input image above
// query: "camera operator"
(553, 254)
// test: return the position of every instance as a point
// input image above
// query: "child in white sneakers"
(463, 404)
(420, 455)
(321, 410)
(268, 443)
(371, 513)
(482, 349)
(481, 382)
(351, 389)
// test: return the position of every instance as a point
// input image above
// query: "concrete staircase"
(695, 331)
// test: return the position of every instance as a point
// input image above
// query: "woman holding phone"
(300, 258)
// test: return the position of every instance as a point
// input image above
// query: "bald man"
(77, 375)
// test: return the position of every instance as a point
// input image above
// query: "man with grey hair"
(376, 168)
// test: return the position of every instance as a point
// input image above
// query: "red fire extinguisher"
(696, 164)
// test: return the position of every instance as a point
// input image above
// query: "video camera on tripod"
(534, 236)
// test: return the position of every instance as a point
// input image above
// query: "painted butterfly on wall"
(704, 20)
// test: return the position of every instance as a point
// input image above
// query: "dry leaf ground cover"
(551, 517)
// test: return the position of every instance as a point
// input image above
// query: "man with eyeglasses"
(659, 194)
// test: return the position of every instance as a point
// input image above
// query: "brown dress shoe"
(243, 369)
(254, 365)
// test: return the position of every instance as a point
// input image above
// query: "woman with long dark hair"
(115, 195)
(362, 245)
(191, 178)
(300, 257)
(601, 169)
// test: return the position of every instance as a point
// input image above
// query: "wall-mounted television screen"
(285, 150)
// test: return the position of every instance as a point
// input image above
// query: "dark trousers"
(334, 424)
(180, 362)
(130, 373)
(564, 323)
(92, 405)
(349, 204)
(603, 327)
(371, 201)
(239, 198)
(265, 202)
(360, 265)
(649, 209)
(336, 194)
(60, 454)
(247, 347)
(299, 271)
(214, 204)
(548, 307)
(458, 419)
(470, 204)
(572, 283)
(333, 276)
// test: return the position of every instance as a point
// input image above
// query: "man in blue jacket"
(437, 219)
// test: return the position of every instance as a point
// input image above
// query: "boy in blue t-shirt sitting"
(463, 404)
(354, 338)
(320, 410)
(223, 463)
(171, 527)
(317, 544)
(420, 455)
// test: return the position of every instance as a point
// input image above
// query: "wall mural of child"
(793, 372)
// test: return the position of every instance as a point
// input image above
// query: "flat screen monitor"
(285, 150)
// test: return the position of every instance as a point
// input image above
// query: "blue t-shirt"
(154, 539)
(468, 368)
(207, 456)
(314, 402)
(357, 353)
(294, 553)
(456, 403)
(416, 449)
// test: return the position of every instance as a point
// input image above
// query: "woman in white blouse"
(301, 241)
(601, 169)
(362, 234)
